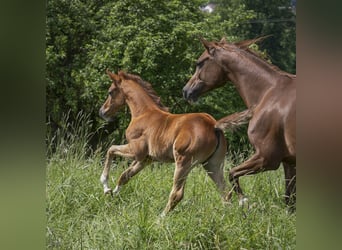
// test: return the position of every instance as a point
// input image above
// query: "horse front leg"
(121, 150)
(135, 167)
(251, 166)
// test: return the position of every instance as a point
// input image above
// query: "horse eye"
(110, 92)
(201, 63)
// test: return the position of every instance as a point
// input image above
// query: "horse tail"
(235, 120)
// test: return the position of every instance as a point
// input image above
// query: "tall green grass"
(80, 216)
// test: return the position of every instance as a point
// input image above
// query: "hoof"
(116, 190)
(108, 191)
(243, 201)
(227, 203)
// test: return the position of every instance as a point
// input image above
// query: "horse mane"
(260, 57)
(243, 45)
(147, 88)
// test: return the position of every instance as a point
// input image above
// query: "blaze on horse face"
(115, 100)
(209, 75)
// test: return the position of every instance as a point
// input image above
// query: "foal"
(187, 139)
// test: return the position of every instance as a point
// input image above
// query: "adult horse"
(263, 87)
(155, 133)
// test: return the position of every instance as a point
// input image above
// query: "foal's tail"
(235, 120)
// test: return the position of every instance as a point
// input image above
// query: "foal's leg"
(215, 170)
(290, 183)
(121, 150)
(135, 168)
(181, 172)
(215, 165)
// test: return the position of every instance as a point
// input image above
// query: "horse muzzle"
(102, 114)
(191, 94)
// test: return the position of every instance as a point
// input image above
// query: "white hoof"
(107, 190)
(243, 201)
(116, 190)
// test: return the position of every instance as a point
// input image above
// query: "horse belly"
(161, 153)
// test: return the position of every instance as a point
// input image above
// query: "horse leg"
(135, 167)
(290, 183)
(216, 173)
(177, 192)
(251, 166)
(121, 150)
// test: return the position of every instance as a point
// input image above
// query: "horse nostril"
(101, 113)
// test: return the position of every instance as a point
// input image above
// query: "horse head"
(211, 72)
(208, 75)
(115, 100)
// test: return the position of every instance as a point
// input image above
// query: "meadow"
(80, 216)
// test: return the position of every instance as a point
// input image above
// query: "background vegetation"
(159, 41)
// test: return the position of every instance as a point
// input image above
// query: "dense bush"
(156, 39)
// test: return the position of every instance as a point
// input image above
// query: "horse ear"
(122, 74)
(246, 43)
(209, 46)
(113, 76)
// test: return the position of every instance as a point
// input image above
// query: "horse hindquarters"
(191, 147)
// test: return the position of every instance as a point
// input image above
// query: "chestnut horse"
(272, 94)
(186, 139)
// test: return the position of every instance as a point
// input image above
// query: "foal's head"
(115, 100)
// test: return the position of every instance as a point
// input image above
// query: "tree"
(275, 18)
(156, 39)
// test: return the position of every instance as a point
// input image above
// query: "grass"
(79, 216)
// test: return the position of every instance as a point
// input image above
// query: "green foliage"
(274, 18)
(156, 39)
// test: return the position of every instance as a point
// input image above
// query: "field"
(80, 216)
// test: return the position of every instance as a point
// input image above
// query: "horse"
(155, 133)
(266, 89)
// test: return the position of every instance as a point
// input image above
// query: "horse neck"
(138, 101)
(251, 76)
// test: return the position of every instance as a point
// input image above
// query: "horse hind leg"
(215, 171)
(251, 166)
(176, 195)
(290, 184)
(215, 168)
